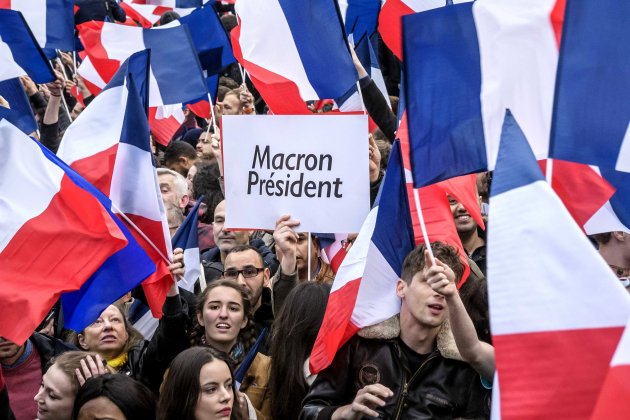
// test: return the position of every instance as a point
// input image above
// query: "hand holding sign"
(286, 243)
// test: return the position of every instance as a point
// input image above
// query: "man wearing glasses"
(244, 264)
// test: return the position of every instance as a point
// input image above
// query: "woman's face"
(56, 395)
(107, 335)
(216, 394)
(100, 408)
(223, 317)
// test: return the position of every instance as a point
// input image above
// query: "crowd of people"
(238, 347)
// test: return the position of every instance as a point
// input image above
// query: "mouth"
(225, 412)
(109, 339)
(222, 326)
(435, 308)
(463, 218)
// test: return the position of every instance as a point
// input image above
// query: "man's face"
(204, 147)
(463, 220)
(231, 105)
(8, 349)
(248, 259)
(226, 240)
(167, 188)
(426, 306)
(301, 254)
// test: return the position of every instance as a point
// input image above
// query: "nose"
(39, 396)
(241, 279)
(107, 325)
(226, 394)
(223, 312)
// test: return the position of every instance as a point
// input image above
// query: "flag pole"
(214, 117)
(140, 232)
(309, 257)
(63, 99)
(423, 227)
(549, 171)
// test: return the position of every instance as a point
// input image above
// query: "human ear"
(244, 323)
(200, 319)
(401, 288)
(82, 342)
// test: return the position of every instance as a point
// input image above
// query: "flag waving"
(55, 234)
(109, 145)
(557, 310)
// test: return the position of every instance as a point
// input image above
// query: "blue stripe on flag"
(60, 24)
(320, 41)
(442, 63)
(393, 232)
(20, 114)
(187, 235)
(362, 18)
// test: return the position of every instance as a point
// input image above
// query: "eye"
(230, 274)
(213, 306)
(235, 308)
(250, 272)
(210, 390)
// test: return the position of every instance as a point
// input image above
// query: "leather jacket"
(441, 388)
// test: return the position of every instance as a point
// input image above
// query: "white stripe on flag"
(519, 56)
(9, 69)
(88, 72)
(193, 269)
(34, 12)
(623, 161)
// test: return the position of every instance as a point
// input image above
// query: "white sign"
(313, 167)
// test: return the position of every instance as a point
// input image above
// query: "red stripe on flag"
(553, 374)
(134, 15)
(336, 261)
(156, 285)
(98, 168)
(5, 4)
(200, 109)
(390, 25)
(557, 18)
(614, 398)
(162, 129)
(56, 251)
(337, 327)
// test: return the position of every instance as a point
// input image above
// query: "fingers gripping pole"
(423, 227)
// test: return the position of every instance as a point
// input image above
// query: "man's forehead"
(242, 259)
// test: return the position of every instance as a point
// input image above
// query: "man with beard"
(469, 233)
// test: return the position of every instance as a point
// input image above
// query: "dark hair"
(247, 335)
(474, 295)
(130, 396)
(414, 262)
(229, 22)
(602, 238)
(192, 137)
(243, 248)
(177, 149)
(206, 182)
(294, 332)
(181, 389)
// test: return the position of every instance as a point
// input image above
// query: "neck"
(471, 241)
(615, 256)
(225, 347)
(417, 337)
(303, 273)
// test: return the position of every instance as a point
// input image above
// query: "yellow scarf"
(117, 362)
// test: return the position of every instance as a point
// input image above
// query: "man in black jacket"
(410, 375)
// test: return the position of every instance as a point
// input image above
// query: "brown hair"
(69, 361)
(414, 262)
(247, 335)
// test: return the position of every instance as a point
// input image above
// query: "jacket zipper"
(405, 391)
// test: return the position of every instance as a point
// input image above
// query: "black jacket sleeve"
(378, 109)
(169, 340)
(49, 136)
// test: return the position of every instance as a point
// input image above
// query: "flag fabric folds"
(465, 65)
(147, 15)
(19, 53)
(557, 311)
(55, 233)
(187, 238)
(117, 160)
(20, 113)
(364, 290)
(591, 123)
(50, 21)
(293, 51)
(360, 17)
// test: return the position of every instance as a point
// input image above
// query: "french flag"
(187, 238)
(364, 290)
(332, 248)
(50, 21)
(183, 4)
(366, 52)
(55, 234)
(390, 24)
(19, 53)
(175, 74)
(360, 17)
(148, 15)
(117, 160)
(591, 123)
(20, 113)
(293, 51)
(614, 398)
(557, 310)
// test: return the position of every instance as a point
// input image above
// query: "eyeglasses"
(247, 272)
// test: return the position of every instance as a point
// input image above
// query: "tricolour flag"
(20, 113)
(557, 310)
(171, 3)
(55, 234)
(332, 248)
(293, 51)
(360, 17)
(19, 53)
(148, 15)
(364, 290)
(50, 21)
(187, 238)
(591, 123)
(117, 160)
(390, 19)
